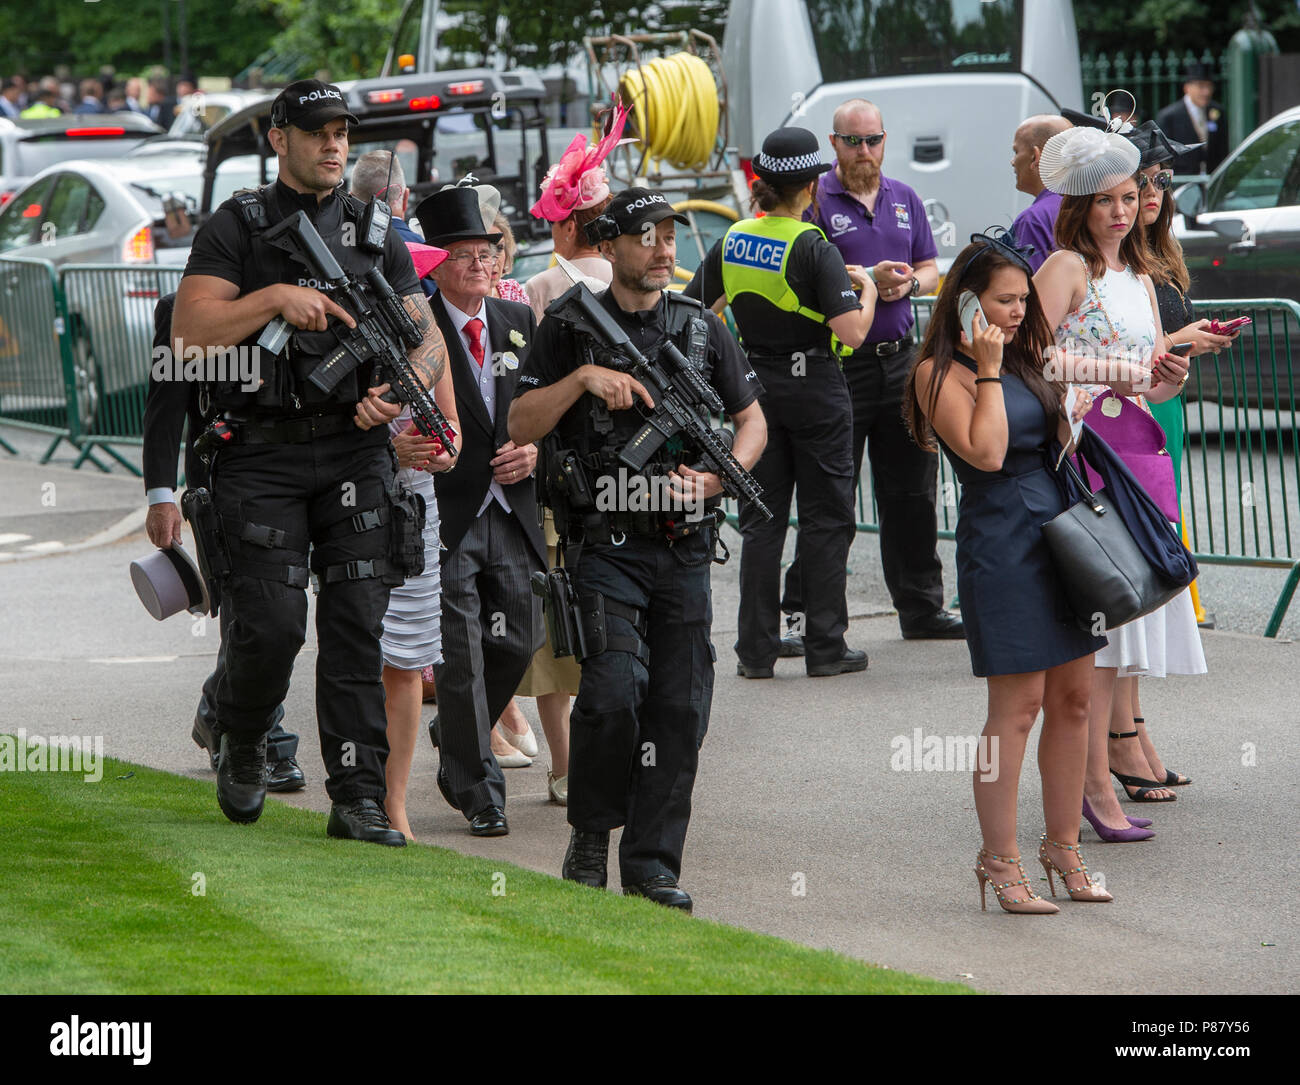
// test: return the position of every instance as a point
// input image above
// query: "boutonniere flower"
(1215, 114)
(517, 339)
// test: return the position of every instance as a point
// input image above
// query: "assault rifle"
(384, 331)
(682, 397)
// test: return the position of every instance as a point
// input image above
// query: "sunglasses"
(857, 141)
(1161, 180)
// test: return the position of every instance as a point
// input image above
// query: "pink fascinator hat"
(425, 257)
(577, 181)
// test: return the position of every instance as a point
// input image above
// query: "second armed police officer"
(643, 705)
(299, 468)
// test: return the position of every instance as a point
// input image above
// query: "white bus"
(952, 79)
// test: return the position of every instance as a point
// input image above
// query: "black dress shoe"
(662, 889)
(939, 626)
(445, 788)
(490, 821)
(586, 858)
(791, 648)
(284, 774)
(851, 660)
(746, 671)
(433, 730)
(241, 778)
(363, 819)
(206, 739)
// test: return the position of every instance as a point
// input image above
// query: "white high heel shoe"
(525, 743)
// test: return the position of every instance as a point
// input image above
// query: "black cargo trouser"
(903, 477)
(309, 491)
(808, 454)
(636, 729)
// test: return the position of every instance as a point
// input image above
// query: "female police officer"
(789, 290)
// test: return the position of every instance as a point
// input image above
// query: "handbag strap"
(1090, 497)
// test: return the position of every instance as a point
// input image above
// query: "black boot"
(662, 889)
(241, 777)
(363, 819)
(586, 858)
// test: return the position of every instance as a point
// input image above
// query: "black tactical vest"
(597, 435)
(285, 389)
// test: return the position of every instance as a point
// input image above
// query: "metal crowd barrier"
(76, 347)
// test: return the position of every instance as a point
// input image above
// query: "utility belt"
(403, 514)
(885, 347)
(578, 625)
(229, 430)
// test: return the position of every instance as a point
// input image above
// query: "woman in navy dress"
(1000, 424)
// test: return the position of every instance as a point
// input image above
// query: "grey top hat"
(169, 581)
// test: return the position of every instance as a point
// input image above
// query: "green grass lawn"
(97, 896)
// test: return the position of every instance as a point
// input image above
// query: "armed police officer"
(639, 570)
(298, 467)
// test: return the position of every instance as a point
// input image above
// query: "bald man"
(1036, 224)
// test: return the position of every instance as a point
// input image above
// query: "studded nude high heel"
(1087, 892)
(1034, 905)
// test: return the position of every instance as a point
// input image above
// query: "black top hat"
(1197, 73)
(453, 215)
(789, 155)
(1157, 147)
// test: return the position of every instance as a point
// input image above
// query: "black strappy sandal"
(1172, 779)
(1144, 787)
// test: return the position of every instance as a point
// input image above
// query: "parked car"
(138, 211)
(200, 111)
(1240, 232)
(29, 146)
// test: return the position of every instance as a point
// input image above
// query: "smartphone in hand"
(967, 306)
(1231, 326)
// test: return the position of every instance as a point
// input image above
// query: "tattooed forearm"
(430, 357)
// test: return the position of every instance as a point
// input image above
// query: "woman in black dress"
(998, 420)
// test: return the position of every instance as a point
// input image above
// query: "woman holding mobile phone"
(1098, 295)
(999, 421)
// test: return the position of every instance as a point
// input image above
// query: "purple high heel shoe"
(1114, 836)
(1139, 823)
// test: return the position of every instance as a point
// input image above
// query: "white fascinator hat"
(1082, 161)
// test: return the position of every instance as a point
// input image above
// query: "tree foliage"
(1105, 26)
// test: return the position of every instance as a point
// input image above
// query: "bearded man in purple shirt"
(880, 224)
(1036, 225)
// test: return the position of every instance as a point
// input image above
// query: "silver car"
(136, 211)
(29, 146)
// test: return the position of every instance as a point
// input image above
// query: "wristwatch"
(916, 286)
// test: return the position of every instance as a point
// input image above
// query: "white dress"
(412, 638)
(1166, 641)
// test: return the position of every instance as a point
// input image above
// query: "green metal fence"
(42, 385)
(110, 325)
(76, 346)
(1155, 79)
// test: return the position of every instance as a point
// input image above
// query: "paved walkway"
(798, 789)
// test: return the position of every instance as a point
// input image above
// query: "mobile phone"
(967, 306)
(1231, 326)
(1181, 349)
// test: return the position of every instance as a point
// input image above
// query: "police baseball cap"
(309, 104)
(629, 211)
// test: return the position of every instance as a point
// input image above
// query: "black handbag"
(1107, 578)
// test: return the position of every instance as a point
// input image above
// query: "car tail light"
(95, 133)
(430, 102)
(139, 246)
(32, 211)
(384, 97)
(474, 86)
(5, 197)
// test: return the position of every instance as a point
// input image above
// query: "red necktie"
(472, 329)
